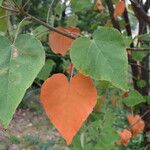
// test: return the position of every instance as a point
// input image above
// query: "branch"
(140, 66)
(111, 12)
(23, 13)
(141, 14)
(138, 49)
(147, 5)
(2, 17)
(49, 10)
(9, 9)
(26, 3)
(127, 25)
(67, 34)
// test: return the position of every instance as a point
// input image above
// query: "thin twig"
(111, 13)
(16, 5)
(2, 17)
(48, 13)
(131, 74)
(141, 14)
(23, 7)
(18, 28)
(9, 9)
(138, 49)
(141, 66)
(67, 34)
(9, 3)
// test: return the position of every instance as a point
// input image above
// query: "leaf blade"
(103, 58)
(19, 68)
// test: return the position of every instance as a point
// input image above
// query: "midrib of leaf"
(88, 51)
(8, 79)
(100, 51)
(107, 60)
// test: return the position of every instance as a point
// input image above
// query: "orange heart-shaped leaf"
(125, 136)
(136, 123)
(119, 9)
(68, 104)
(59, 43)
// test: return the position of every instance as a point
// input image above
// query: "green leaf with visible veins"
(45, 71)
(103, 57)
(19, 66)
(3, 20)
(79, 5)
(134, 99)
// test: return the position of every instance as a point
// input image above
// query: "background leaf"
(72, 20)
(59, 43)
(1, 1)
(133, 99)
(138, 56)
(144, 37)
(79, 5)
(119, 9)
(45, 71)
(40, 32)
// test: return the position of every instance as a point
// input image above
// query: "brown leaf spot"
(3, 71)
(15, 53)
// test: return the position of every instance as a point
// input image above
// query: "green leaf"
(79, 5)
(147, 98)
(103, 58)
(115, 1)
(59, 9)
(47, 68)
(109, 134)
(19, 66)
(25, 23)
(1, 1)
(40, 32)
(138, 56)
(3, 20)
(77, 143)
(72, 20)
(144, 37)
(141, 83)
(134, 99)
(103, 84)
(127, 40)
